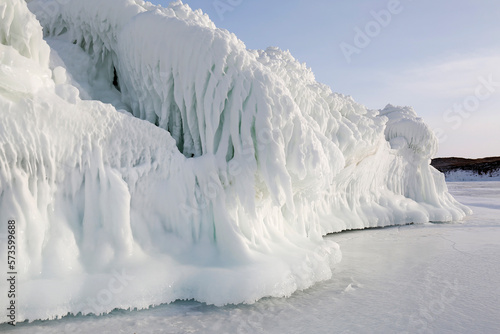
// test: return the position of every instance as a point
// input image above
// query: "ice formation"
(221, 187)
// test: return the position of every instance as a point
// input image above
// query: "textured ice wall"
(178, 71)
(222, 194)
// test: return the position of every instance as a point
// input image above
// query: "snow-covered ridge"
(220, 188)
(462, 169)
(467, 175)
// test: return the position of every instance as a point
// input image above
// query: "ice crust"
(221, 187)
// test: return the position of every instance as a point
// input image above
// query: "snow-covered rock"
(460, 175)
(462, 169)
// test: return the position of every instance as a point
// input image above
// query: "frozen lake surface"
(431, 278)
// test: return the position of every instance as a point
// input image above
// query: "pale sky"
(440, 57)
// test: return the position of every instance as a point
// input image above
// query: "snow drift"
(221, 187)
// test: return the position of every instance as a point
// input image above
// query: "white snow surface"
(461, 175)
(220, 189)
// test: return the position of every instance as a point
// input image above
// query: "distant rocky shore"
(461, 169)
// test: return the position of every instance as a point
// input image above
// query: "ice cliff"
(147, 156)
